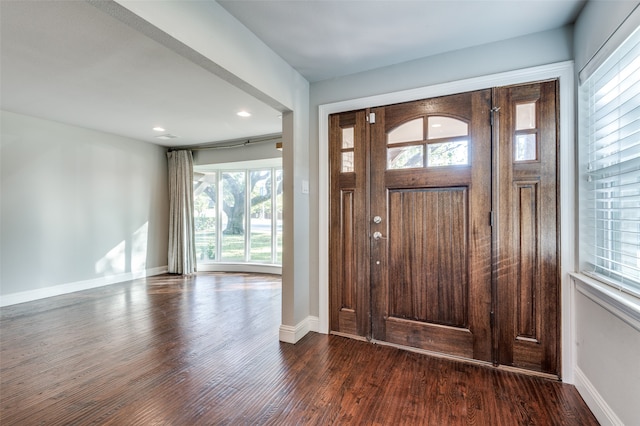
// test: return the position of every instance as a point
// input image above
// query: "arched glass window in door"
(405, 145)
(448, 142)
(444, 141)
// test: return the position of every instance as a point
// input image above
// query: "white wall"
(519, 53)
(607, 338)
(507, 55)
(606, 324)
(598, 22)
(80, 208)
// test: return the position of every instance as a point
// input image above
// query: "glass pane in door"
(406, 157)
(446, 127)
(410, 131)
(448, 154)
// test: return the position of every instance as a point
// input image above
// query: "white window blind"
(610, 162)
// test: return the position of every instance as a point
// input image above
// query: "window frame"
(247, 171)
(600, 250)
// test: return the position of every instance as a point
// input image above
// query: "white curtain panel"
(182, 248)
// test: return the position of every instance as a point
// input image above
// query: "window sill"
(258, 268)
(622, 305)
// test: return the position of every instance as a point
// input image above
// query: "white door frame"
(564, 72)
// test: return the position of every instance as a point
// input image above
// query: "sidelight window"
(610, 169)
(348, 144)
(526, 145)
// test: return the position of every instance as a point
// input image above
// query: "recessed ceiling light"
(244, 114)
(166, 136)
(158, 129)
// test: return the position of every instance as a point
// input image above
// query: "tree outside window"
(247, 229)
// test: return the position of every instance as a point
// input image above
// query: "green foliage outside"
(233, 247)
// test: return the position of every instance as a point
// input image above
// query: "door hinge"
(371, 118)
(491, 218)
(492, 318)
(493, 112)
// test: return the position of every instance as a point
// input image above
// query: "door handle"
(377, 235)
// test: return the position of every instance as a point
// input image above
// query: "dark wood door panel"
(438, 178)
(349, 271)
(349, 277)
(428, 255)
(432, 337)
(525, 255)
(457, 105)
(527, 282)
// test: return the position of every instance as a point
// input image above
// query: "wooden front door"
(431, 186)
(422, 236)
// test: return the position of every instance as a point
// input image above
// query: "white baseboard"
(594, 401)
(292, 334)
(314, 324)
(57, 290)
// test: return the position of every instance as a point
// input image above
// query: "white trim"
(57, 290)
(291, 334)
(595, 402)
(257, 268)
(568, 321)
(568, 218)
(565, 73)
(622, 305)
(314, 323)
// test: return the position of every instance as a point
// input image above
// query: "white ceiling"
(71, 62)
(324, 39)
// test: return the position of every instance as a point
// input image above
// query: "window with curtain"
(609, 118)
(238, 215)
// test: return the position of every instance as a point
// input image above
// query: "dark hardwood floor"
(204, 350)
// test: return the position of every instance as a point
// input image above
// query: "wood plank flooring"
(204, 350)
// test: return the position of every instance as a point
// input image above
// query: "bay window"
(238, 215)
